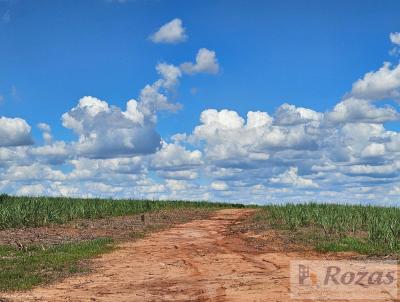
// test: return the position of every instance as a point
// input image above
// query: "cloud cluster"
(108, 132)
(344, 154)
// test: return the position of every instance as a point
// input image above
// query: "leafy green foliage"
(23, 269)
(343, 227)
(39, 211)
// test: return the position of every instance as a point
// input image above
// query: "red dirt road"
(196, 261)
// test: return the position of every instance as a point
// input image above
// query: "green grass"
(21, 270)
(364, 229)
(330, 227)
(348, 244)
(16, 212)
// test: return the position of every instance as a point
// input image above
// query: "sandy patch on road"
(197, 261)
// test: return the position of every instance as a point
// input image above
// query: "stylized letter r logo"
(304, 273)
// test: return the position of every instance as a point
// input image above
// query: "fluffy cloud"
(11, 155)
(258, 119)
(232, 141)
(170, 75)
(171, 32)
(33, 172)
(55, 153)
(220, 130)
(133, 113)
(175, 162)
(179, 174)
(292, 154)
(373, 150)
(117, 172)
(357, 110)
(375, 171)
(219, 186)
(152, 100)
(31, 190)
(14, 132)
(377, 85)
(291, 178)
(292, 115)
(106, 132)
(206, 62)
(395, 38)
(46, 130)
(44, 127)
(176, 157)
(154, 97)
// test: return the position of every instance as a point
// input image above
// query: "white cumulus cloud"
(290, 177)
(395, 38)
(357, 110)
(171, 32)
(294, 153)
(377, 85)
(219, 186)
(206, 62)
(14, 132)
(106, 132)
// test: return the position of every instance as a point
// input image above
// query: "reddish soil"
(202, 260)
(118, 228)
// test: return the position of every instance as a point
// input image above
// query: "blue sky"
(308, 54)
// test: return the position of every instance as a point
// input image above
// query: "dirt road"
(197, 261)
